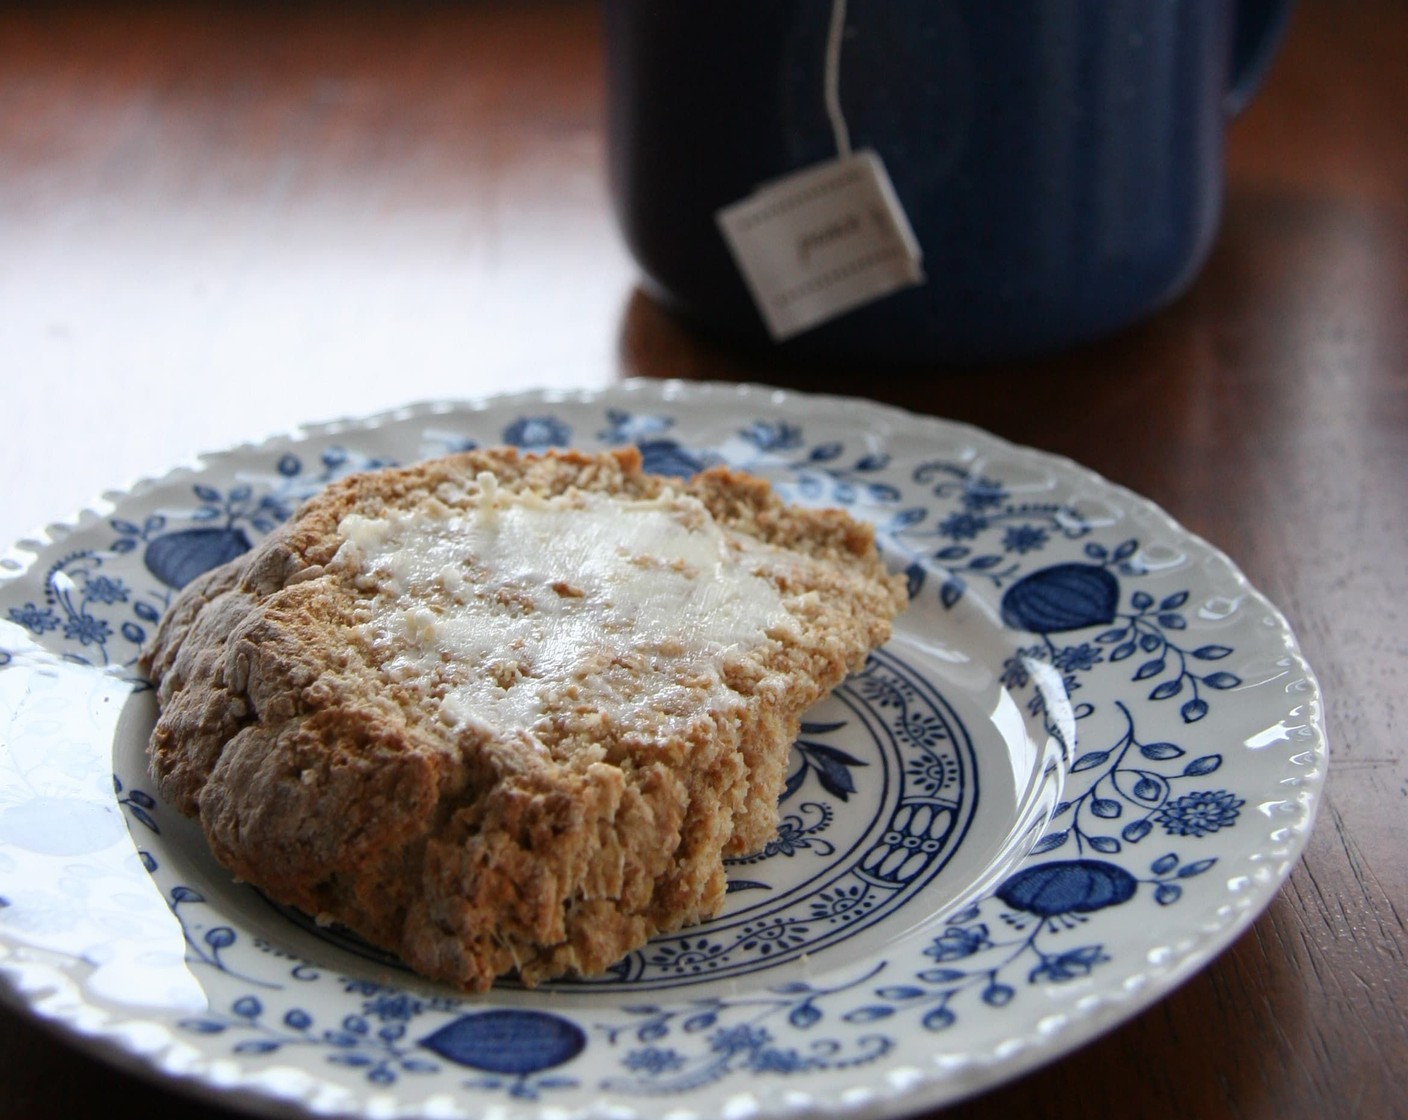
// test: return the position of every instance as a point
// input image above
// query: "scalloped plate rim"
(974, 1072)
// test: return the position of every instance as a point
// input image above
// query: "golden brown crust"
(317, 777)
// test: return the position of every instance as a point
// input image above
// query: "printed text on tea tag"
(821, 242)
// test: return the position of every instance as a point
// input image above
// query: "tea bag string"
(832, 78)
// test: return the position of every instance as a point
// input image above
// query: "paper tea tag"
(822, 242)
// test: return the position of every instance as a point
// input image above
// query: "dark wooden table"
(221, 220)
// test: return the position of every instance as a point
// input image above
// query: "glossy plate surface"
(1086, 761)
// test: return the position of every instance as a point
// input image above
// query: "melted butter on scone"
(515, 603)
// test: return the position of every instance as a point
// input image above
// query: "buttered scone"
(497, 712)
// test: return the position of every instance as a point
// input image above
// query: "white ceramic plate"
(1086, 761)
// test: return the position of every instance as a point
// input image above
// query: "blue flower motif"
(930, 772)
(393, 1007)
(1070, 965)
(773, 435)
(1199, 813)
(1022, 539)
(537, 432)
(924, 730)
(1072, 659)
(962, 526)
(87, 630)
(37, 620)
(1016, 672)
(958, 942)
(104, 589)
(653, 1060)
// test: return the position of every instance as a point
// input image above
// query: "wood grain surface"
(223, 220)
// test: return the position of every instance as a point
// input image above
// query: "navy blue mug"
(1060, 161)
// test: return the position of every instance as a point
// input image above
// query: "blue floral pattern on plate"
(1025, 818)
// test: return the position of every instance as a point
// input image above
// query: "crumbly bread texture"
(310, 721)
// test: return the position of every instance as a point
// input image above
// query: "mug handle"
(1259, 27)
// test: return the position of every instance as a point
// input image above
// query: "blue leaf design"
(1194, 710)
(804, 1015)
(1106, 808)
(1135, 831)
(1150, 669)
(832, 767)
(1090, 760)
(1167, 893)
(868, 1014)
(1164, 864)
(1160, 752)
(144, 817)
(1050, 842)
(1222, 680)
(998, 995)
(1167, 690)
(1211, 653)
(1106, 845)
(1197, 868)
(1200, 766)
(899, 993)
